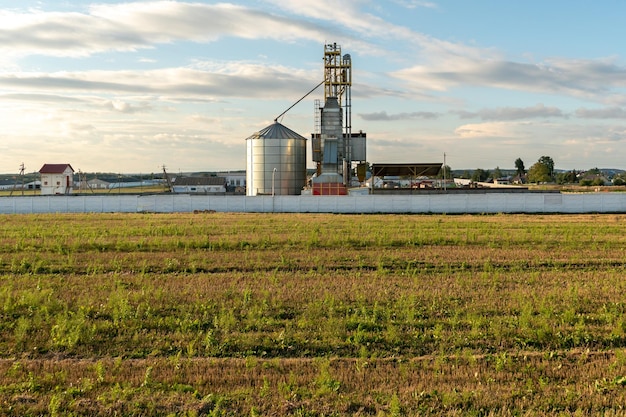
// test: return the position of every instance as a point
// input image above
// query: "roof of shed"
(54, 168)
(408, 170)
(199, 181)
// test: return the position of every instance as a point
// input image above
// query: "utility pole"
(22, 179)
(167, 179)
(444, 172)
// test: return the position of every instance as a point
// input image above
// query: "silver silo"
(276, 162)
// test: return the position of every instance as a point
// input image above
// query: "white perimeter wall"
(429, 203)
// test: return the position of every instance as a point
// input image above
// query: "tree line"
(542, 171)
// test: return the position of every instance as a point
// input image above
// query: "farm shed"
(202, 185)
(56, 179)
(98, 184)
(410, 171)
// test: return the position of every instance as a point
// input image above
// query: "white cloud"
(235, 79)
(604, 113)
(127, 107)
(133, 26)
(413, 4)
(599, 80)
(39, 98)
(383, 116)
(488, 130)
(351, 17)
(514, 113)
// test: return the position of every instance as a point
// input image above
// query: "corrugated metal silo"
(276, 162)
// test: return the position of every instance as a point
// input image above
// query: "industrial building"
(276, 155)
(199, 185)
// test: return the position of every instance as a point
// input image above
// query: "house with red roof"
(56, 179)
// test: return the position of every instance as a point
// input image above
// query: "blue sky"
(128, 87)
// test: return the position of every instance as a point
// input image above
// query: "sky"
(132, 86)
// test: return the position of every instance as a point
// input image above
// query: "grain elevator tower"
(335, 148)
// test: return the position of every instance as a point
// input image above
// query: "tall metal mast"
(337, 72)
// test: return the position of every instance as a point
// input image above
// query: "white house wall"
(52, 179)
(424, 203)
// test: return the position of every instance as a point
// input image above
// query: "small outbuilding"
(201, 185)
(56, 179)
(98, 184)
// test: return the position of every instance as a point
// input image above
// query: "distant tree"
(562, 178)
(497, 173)
(570, 177)
(549, 163)
(519, 167)
(466, 175)
(539, 173)
(480, 175)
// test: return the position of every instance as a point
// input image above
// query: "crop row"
(492, 384)
(296, 314)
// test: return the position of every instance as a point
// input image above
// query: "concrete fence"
(531, 202)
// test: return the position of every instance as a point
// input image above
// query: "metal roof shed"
(411, 170)
(406, 170)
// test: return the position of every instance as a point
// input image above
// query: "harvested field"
(312, 315)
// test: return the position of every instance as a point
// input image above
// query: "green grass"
(291, 315)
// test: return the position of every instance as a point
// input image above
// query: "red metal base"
(329, 188)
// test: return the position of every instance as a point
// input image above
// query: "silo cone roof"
(276, 131)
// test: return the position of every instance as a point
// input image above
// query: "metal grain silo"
(276, 162)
